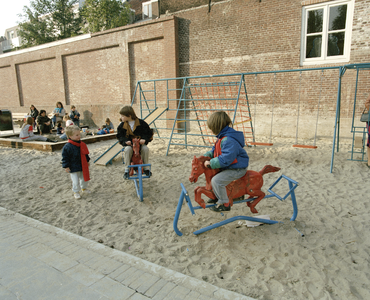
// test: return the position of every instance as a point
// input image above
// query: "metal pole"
(336, 118)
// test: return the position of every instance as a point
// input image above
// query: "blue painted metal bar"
(138, 179)
(354, 101)
(336, 118)
(233, 219)
(184, 195)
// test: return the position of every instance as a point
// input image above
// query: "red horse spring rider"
(251, 183)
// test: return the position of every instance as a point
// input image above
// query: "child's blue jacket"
(231, 148)
(71, 158)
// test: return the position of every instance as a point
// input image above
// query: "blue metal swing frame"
(185, 195)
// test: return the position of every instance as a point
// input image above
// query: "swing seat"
(304, 146)
(261, 144)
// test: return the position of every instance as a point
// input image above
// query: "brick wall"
(98, 75)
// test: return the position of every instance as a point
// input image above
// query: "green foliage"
(47, 21)
(101, 15)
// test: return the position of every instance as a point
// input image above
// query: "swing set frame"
(180, 102)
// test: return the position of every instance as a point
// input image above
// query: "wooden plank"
(109, 155)
(305, 146)
(154, 115)
(260, 144)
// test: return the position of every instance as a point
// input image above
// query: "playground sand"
(331, 260)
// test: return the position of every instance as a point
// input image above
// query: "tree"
(47, 21)
(101, 15)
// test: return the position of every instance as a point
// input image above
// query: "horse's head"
(197, 168)
(136, 145)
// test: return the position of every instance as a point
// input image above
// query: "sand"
(331, 260)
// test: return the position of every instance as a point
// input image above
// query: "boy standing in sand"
(76, 160)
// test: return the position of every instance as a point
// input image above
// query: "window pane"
(337, 17)
(145, 11)
(336, 44)
(313, 48)
(314, 21)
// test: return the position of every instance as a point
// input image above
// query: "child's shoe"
(220, 207)
(126, 174)
(77, 195)
(85, 191)
(148, 173)
(212, 201)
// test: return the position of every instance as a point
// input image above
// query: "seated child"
(133, 127)
(60, 129)
(109, 124)
(75, 160)
(74, 116)
(102, 131)
(44, 122)
(227, 154)
(26, 133)
(68, 120)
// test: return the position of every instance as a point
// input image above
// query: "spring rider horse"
(250, 184)
(137, 164)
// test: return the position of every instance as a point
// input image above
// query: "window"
(148, 9)
(326, 32)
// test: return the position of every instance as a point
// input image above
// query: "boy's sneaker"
(86, 191)
(220, 207)
(125, 175)
(77, 195)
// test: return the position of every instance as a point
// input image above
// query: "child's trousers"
(78, 181)
(222, 179)
(144, 153)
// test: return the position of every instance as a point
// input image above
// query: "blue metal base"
(138, 179)
(185, 195)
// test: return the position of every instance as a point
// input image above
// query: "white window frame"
(324, 59)
(149, 4)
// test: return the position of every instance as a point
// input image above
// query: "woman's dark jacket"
(42, 120)
(34, 113)
(142, 130)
